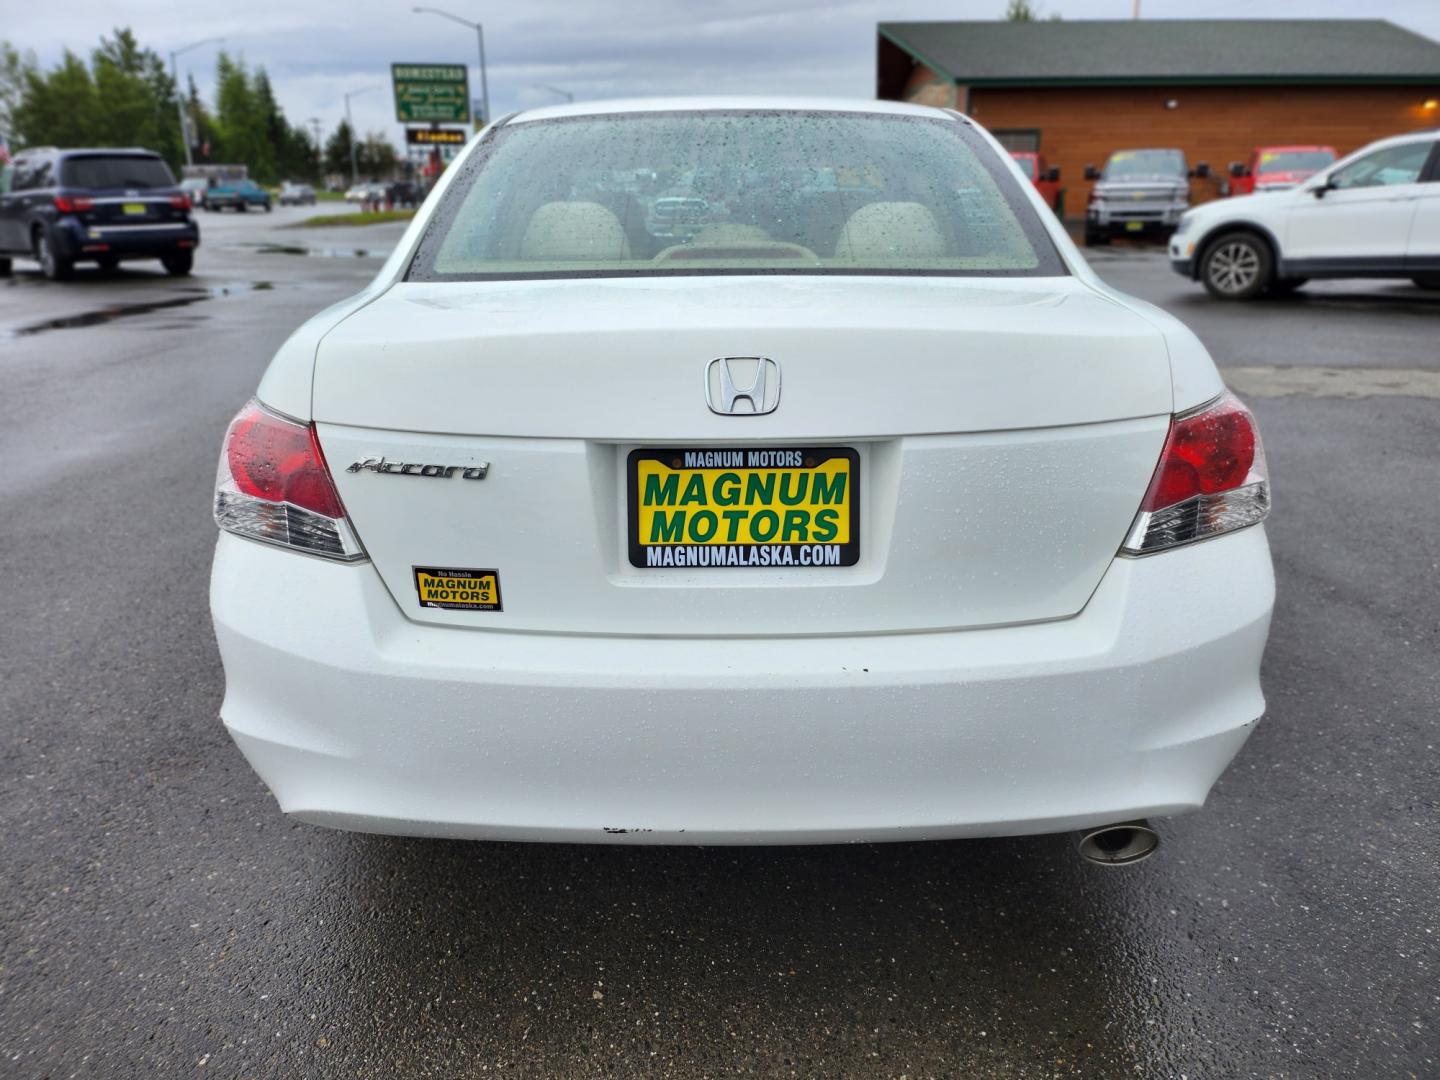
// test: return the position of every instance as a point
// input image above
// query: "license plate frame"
(779, 550)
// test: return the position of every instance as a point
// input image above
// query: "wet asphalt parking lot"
(159, 917)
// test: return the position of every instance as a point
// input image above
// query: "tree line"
(125, 96)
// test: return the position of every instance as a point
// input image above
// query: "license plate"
(132, 208)
(1134, 226)
(784, 506)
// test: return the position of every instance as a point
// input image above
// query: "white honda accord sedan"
(739, 472)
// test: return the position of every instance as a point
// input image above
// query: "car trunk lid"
(1001, 433)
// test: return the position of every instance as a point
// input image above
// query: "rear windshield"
(1145, 165)
(734, 192)
(115, 171)
(1306, 161)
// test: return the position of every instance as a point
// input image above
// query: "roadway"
(158, 916)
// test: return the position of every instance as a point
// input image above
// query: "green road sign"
(431, 93)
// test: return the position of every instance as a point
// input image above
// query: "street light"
(480, 37)
(319, 151)
(354, 169)
(566, 94)
(180, 98)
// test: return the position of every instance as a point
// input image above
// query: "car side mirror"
(1201, 171)
(1053, 174)
(1237, 169)
(1319, 190)
(1092, 173)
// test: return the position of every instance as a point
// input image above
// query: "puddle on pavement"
(101, 316)
(317, 252)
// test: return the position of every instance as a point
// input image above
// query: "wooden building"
(1215, 88)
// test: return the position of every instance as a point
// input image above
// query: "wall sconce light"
(1431, 105)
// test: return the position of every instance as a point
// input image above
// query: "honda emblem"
(742, 385)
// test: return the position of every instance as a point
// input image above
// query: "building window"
(1025, 140)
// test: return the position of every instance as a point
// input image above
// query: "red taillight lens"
(1205, 453)
(180, 202)
(67, 204)
(280, 461)
(273, 485)
(1210, 480)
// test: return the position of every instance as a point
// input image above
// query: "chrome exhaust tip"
(1119, 845)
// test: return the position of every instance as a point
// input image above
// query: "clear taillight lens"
(273, 486)
(1211, 480)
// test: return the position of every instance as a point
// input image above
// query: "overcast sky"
(316, 50)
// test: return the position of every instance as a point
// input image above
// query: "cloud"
(317, 50)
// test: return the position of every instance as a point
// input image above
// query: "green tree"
(58, 107)
(13, 67)
(1026, 11)
(337, 150)
(135, 97)
(376, 156)
(124, 97)
(240, 120)
(203, 133)
(291, 147)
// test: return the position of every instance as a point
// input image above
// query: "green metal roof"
(1170, 51)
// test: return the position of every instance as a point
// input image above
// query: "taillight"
(1211, 479)
(180, 202)
(68, 204)
(273, 485)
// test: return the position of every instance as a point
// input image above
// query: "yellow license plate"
(783, 506)
(1134, 226)
(132, 208)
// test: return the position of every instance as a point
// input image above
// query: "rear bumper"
(74, 240)
(358, 718)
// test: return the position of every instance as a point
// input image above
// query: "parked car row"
(296, 194)
(401, 193)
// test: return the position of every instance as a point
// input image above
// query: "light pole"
(354, 169)
(180, 98)
(319, 152)
(566, 94)
(480, 37)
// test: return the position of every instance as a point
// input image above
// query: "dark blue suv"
(61, 207)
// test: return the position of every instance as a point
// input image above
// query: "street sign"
(431, 93)
(435, 136)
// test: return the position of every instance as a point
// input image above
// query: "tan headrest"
(890, 230)
(574, 232)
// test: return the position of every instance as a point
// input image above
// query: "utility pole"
(319, 151)
(1135, 10)
(354, 168)
(180, 97)
(480, 39)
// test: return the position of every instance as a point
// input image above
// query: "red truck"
(1045, 178)
(1275, 168)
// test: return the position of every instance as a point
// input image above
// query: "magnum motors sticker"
(453, 589)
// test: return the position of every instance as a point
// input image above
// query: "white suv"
(1373, 214)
